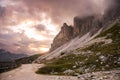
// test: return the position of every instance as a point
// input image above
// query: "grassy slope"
(101, 57)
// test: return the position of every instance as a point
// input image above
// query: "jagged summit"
(101, 53)
(81, 27)
(84, 25)
(65, 35)
(93, 45)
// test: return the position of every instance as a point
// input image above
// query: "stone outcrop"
(85, 25)
(81, 27)
(65, 35)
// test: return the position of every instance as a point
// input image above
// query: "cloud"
(40, 27)
(2, 11)
(18, 42)
(59, 11)
(64, 10)
(29, 26)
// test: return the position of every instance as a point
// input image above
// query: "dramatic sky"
(29, 26)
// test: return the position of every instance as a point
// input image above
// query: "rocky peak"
(81, 27)
(86, 24)
(65, 35)
(64, 26)
(65, 29)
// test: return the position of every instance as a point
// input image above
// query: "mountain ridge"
(86, 24)
(8, 56)
(105, 22)
(101, 53)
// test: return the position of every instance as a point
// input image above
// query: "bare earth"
(27, 72)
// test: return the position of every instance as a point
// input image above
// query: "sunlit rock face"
(65, 35)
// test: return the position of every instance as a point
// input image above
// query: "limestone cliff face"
(81, 27)
(84, 25)
(65, 35)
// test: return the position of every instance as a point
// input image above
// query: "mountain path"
(27, 72)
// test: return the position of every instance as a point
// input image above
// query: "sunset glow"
(30, 32)
(26, 22)
(41, 49)
(26, 27)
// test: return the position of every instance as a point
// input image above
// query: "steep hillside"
(99, 54)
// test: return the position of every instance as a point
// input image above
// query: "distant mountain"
(7, 56)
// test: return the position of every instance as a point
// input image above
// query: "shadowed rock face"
(86, 24)
(81, 27)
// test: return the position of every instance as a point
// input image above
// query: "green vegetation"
(81, 63)
(101, 57)
(112, 33)
(61, 64)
